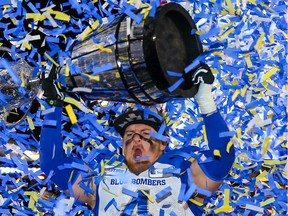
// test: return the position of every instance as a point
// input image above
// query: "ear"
(163, 145)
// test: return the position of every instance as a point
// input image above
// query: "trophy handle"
(8, 114)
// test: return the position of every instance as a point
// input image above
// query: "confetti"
(244, 43)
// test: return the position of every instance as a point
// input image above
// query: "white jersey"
(150, 193)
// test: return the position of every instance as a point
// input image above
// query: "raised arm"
(52, 156)
(209, 175)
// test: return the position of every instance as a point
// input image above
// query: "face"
(141, 150)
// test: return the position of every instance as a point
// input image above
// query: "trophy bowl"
(142, 53)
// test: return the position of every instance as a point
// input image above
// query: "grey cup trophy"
(18, 87)
(142, 56)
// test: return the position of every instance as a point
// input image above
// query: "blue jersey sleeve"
(219, 166)
(52, 155)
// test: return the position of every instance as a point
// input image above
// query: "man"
(150, 180)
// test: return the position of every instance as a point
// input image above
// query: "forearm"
(219, 151)
(221, 154)
(52, 154)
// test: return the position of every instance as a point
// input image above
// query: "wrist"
(205, 99)
(53, 102)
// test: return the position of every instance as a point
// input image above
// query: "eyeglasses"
(144, 134)
(131, 134)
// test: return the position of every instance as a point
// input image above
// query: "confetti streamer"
(244, 41)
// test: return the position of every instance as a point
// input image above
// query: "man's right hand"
(204, 77)
(203, 74)
(54, 97)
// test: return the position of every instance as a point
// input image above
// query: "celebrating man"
(150, 180)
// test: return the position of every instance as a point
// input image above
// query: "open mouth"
(137, 154)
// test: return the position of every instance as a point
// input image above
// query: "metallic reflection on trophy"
(141, 56)
(17, 86)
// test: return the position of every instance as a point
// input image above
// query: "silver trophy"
(136, 59)
(18, 87)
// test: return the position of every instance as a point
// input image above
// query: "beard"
(138, 167)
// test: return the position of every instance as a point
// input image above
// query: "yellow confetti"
(102, 168)
(266, 145)
(33, 199)
(103, 48)
(235, 82)
(226, 206)
(270, 73)
(204, 133)
(271, 39)
(260, 41)
(277, 48)
(252, 1)
(27, 45)
(196, 140)
(240, 193)
(262, 176)
(251, 76)
(218, 53)
(248, 60)
(108, 191)
(51, 59)
(30, 123)
(68, 145)
(216, 152)
(71, 175)
(229, 145)
(274, 162)
(244, 18)
(260, 95)
(244, 90)
(78, 104)
(5, 7)
(267, 202)
(105, 122)
(235, 94)
(14, 21)
(148, 196)
(71, 113)
(36, 17)
(67, 70)
(238, 12)
(89, 29)
(265, 85)
(146, 11)
(239, 132)
(230, 7)
(267, 7)
(92, 77)
(238, 166)
(59, 15)
(64, 36)
(196, 202)
(225, 35)
(18, 188)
